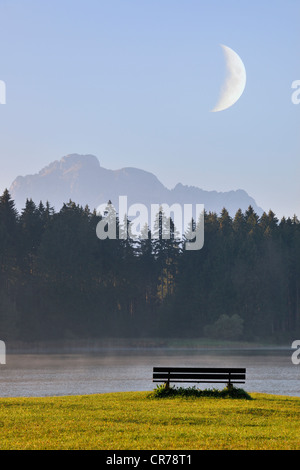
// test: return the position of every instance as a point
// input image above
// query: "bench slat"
(200, 369)
(202, 376)
(202, 381)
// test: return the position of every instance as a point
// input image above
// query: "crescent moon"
(235, 81)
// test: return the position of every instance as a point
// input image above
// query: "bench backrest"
(199, 374)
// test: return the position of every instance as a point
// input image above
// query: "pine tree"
(9, 233)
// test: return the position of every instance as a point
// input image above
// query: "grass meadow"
(141, 421)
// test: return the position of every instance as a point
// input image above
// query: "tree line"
(58, 280)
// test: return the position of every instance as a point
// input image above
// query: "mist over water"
(267, 371)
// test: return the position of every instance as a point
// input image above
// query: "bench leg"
(167, 383)
(229, 385)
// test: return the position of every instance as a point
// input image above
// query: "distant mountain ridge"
(82, 179)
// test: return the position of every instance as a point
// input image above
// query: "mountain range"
(82, 179)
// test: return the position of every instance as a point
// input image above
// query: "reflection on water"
(268, 371)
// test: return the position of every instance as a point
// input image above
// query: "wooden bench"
(199, 375)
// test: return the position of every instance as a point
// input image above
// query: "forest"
(58, 280)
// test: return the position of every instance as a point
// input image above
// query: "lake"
(268, 370)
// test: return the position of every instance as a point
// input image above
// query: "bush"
(226, 327)
(162, 391)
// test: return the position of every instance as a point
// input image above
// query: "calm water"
(268, 371)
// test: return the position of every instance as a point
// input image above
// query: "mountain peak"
(75, 159)
(82, 179)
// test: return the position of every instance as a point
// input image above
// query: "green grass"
(132, 420)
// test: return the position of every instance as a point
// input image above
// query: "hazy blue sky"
(133, 82)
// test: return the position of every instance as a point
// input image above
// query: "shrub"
(192, 392)
(226, 327)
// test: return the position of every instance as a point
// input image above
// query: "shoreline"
(90, 346)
